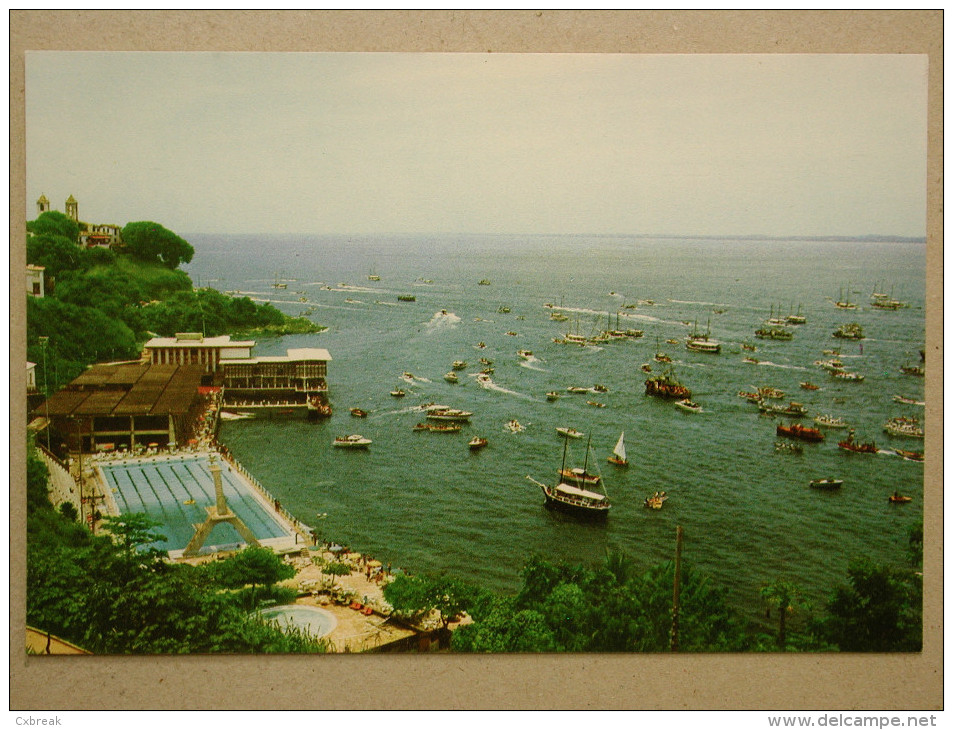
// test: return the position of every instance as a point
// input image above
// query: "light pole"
(46, 391)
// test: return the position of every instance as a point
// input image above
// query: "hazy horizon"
(732, 145)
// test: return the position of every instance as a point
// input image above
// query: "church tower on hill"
(72, 208)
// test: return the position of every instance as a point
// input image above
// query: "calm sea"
(425, 503)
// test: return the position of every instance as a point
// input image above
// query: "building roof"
(71, 199)
(42, 199)
(199, 341)
(309, 353)
(302, 354)
(125, 389)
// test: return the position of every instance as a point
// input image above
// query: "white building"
(35, 285)
(192, 348)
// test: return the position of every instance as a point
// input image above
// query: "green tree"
(150, 241)
(785, 596)
(54, 223)
(915, 545)
(336, 568)
(37, 481)
(415, 595)
(879, 610)
(254, 566)
(78, 335)
(503, 629)
(56, 254)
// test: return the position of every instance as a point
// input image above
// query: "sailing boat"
(796, 318)
(579, 477)
(842, 303)
(618, 453)
(702, 343)
(576, 500)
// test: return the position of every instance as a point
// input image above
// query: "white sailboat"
(618, 453)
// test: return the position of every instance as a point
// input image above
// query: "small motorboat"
(398, 393)
(552, 395)
(656, 500)
(515, 426)
(898, 498)
(477, 442)
(810, 386)
(358, 413)
(451, 377)
(525, 354)
(785, 447)
(445, 428)
(826, 483)
(459, 364)
(689, 405)
(354, 441)
(596, 404)
(569, 432)
(830, 422)
(909, 455)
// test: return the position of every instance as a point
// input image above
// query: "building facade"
(192, 348)
(296, 381)
(35, 280)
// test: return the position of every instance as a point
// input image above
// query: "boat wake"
(350, 288)
(784, 367)
(487, 384)
(530, 364)
(387, 304)
(442, 320)
(645, 318)
(703, 304)
(408, 378)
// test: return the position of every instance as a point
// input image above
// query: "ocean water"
(425, 503)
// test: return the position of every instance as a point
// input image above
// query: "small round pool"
(316, 621)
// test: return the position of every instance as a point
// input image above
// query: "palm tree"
(786, 596)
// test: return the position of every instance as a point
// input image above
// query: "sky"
(366, 143)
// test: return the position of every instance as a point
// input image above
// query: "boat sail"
(618, 453)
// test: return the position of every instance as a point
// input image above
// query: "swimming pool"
(175, 491)
(316, 621)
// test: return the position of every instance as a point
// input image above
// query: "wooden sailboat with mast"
(579, 499)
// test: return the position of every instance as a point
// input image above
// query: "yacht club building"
(192, 348)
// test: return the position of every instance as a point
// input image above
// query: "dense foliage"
(102, 305)
(152, 243)
(108, 595)
(54, 223)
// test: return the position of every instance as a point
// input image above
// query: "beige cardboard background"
(630, 682)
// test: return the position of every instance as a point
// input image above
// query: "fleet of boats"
(580, 491)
